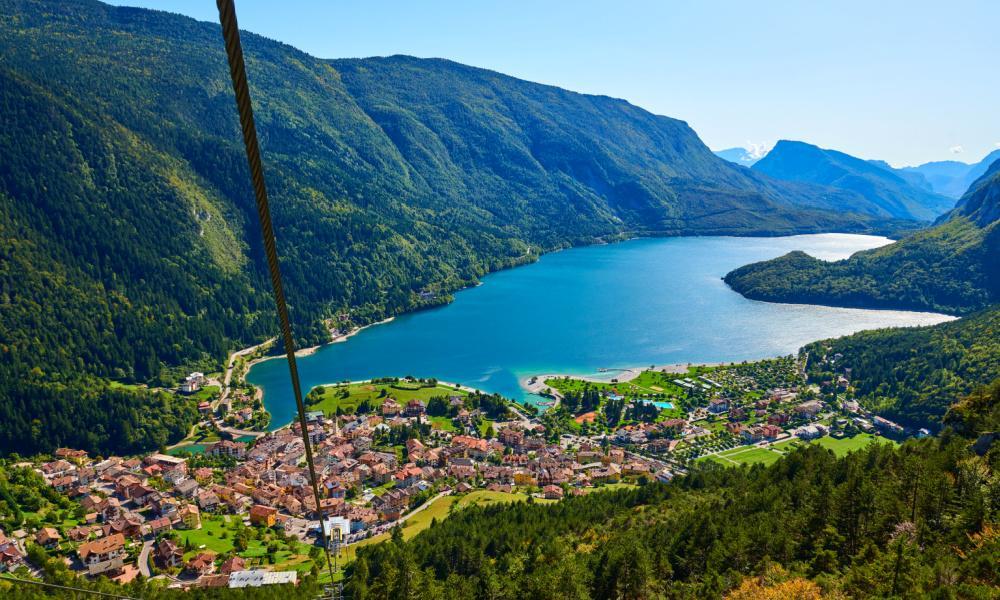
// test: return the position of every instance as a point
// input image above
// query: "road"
(241, 432)
(228, 376)
(147, 547)
(387, 527)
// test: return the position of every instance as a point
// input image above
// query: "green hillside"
(915, 374)
(953, 267)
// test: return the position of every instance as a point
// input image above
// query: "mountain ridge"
(885, 190)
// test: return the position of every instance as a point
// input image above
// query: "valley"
(535, 343)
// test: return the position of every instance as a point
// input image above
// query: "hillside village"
(241, 513)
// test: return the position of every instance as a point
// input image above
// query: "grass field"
(375, 393)
(844, 445)
(440, 509)
(217, 536)
(747, 455)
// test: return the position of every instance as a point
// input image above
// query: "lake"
(641, 302)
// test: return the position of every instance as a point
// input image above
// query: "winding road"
(147, 547)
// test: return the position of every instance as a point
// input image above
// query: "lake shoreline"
(493, 337)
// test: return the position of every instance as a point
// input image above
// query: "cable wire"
(65, 587)
(237, 71)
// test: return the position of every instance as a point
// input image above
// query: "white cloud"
(956, 149)
(997, 144)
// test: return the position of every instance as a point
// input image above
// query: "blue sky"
(907, 82)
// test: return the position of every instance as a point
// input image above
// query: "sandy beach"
(622, 375)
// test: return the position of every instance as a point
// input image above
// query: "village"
(241, 512)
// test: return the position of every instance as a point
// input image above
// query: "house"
(168, 554)
(63, 483)
(236, 450)
(809, 432)
(808, 409)
(165, 507)
(391, 408)
(771, 431)
(552, 492)
(48, 538)
(213, 581)
(232, 565)
(664, 476)
(70, 454)
(158, 526)
(78, 534)
(886, 425)
(104, 554)
(202, 564)
(777, 418)
(263, 515)
(187, 488)
(203, 475)
(190, 516)
(753, 434)
(208, 500)
(192, 383)
(718, 405)
(57, 468)
(415, 408)
(10, 554)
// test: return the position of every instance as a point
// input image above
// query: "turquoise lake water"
(641, 302)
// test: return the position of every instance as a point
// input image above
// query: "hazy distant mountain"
(951, 177)
(914, 178)
(894, 195)
(742, 156)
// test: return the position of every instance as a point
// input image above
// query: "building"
(202, 564)
(10, 554)
(887, 426)
(718, 405)
(48, 538)
(259, 577)
(228, 448)
(190, 516)
(415, 408)
(808, 409)
(192, 383)
(168, 554)
(265, 516)
(337, 528)
(104, 554)
(233, 565)
(552, 492)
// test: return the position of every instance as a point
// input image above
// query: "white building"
(260, 577)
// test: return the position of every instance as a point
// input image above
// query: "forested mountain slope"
(878, 523)
(129, 247)
(914, 374)
(953, 267)
(896, 195)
